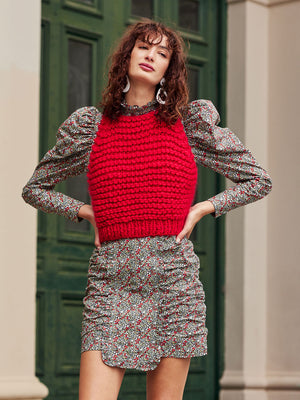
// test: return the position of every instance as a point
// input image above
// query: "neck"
(139, 95)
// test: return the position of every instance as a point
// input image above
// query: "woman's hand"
(86, 212)
(196, 212)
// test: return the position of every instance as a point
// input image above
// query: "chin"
(143, 77)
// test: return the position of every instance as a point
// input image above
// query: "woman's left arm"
(221, 150)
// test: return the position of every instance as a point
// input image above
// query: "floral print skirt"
(144, 301)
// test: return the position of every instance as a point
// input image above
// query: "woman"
(144, 306)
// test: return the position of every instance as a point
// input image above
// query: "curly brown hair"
(176, 74)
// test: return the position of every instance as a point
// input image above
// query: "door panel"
(77, 36)
(142, 8)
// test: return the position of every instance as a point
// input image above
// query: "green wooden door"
(77, 36)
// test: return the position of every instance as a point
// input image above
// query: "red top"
(142, 177)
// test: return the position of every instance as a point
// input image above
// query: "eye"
(143, 47)
(163, 55)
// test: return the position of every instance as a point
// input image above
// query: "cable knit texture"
(142, 177)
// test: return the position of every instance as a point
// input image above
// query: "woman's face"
(149, 62)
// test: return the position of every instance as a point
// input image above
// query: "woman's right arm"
(221, 150)
(69, 157)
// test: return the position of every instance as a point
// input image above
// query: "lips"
(146, 67)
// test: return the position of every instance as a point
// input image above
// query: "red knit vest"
(142, 177)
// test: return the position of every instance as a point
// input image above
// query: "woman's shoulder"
(87, 110)
(202, 110)
(83, 121)
(87, 115)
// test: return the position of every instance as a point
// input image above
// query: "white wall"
(262, 327)
(19, 104)
(283, 317)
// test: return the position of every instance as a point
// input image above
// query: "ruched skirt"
(144, 301)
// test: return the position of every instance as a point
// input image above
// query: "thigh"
(167, 380)
(98, 381)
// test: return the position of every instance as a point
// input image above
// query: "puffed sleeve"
(69, 157)
(221, 150)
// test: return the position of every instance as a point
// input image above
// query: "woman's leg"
(98, 381)
(167, 380)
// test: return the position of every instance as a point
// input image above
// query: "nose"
(150, 54)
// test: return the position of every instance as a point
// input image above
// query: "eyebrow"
(165, 48)
(160, 46)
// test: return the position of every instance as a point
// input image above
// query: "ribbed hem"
(140, 228)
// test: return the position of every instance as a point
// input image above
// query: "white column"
(19, 81)
(246, 232)
(262, 320)
(283, 317)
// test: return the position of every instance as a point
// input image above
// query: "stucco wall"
(283, 317)
(262, 327)
(19, 105)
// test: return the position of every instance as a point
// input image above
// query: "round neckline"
(138, 110)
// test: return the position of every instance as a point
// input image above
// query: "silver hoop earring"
(127, 87)
(161, 91)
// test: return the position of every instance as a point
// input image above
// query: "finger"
(181, 235)
(97, 241)
(188, 234)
